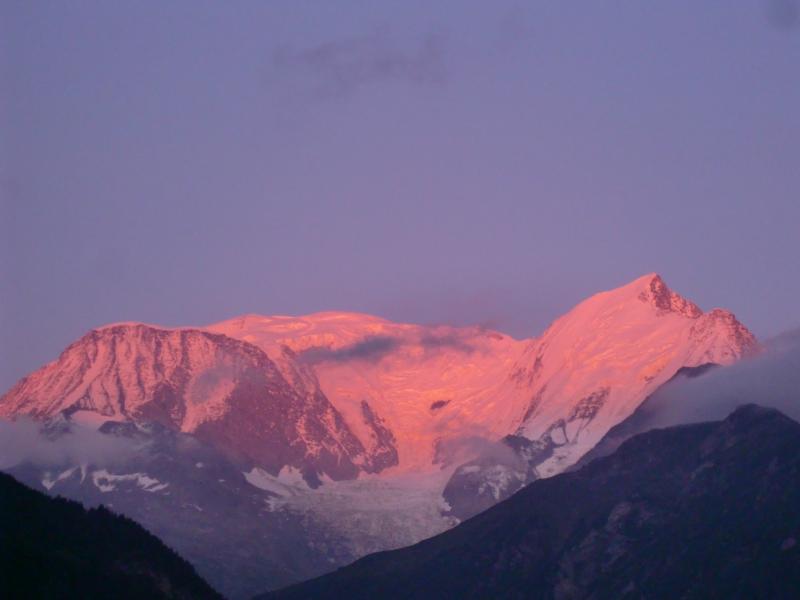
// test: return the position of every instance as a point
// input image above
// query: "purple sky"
(181, 163)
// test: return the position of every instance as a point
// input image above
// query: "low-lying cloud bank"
(770, 379)
(25, 441)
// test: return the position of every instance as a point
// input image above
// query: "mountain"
(225, 391)
(341, 434)
(596, 364)
(342, 394)
(589, 371)
(426, 383)
(54, 548)
(688, 512)
(433, 385)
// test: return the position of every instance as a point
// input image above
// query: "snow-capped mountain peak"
(594, 365)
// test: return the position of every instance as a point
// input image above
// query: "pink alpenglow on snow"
(338, 395)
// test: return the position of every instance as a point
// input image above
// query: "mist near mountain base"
(772, 378)
(25, 441)
(476, 448)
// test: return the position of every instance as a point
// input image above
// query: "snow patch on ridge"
(48, 481)
(289, 482)
(107, 482)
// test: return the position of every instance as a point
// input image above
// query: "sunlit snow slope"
(428, 383)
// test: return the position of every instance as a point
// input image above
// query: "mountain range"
(338, 434)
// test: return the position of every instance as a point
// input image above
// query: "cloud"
(783, 14)
(25, 441)
(372, 348)
(339, 68)
(375, 347)
(770, 379)
(456, 340)
(476, 448)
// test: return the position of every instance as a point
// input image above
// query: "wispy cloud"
(340, 67)
(783, 14)
(373, 348)
(476, 447)
(454, 339)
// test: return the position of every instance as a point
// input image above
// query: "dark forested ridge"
(54, 548)
(696, 511)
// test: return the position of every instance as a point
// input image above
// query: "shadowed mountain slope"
(54, 548)
(675, 513)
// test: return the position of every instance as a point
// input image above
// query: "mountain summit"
(663, 298)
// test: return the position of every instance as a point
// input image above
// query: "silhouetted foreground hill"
(697, 511)
(54, 548)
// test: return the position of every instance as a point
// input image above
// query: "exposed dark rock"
(439, 404)
(383, 453)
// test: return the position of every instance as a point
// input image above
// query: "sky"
(436, 162)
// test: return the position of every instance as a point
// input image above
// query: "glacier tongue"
(368, 514)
